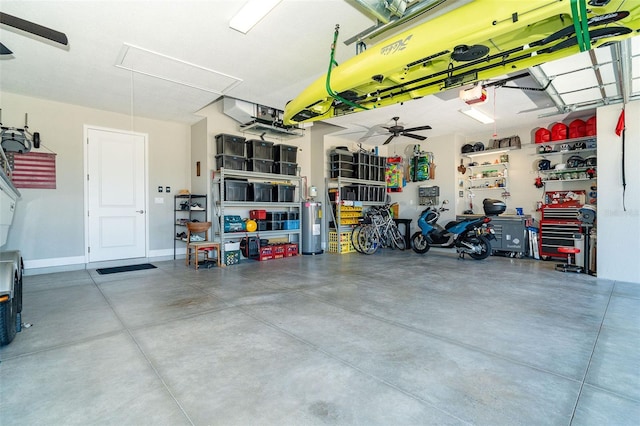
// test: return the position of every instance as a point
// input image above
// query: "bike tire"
(354, 239)
(368, 240)
(419, 243)
(484, 243)
(397, 238)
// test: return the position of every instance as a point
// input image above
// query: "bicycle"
(378, 229)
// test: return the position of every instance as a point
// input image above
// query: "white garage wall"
(49, 223)
(618, 230)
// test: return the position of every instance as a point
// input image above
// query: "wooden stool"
(202, 246)
(569, 266)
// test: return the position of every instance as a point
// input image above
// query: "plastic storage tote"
(260, 165)
(230, 145)
(235, 190)
(232, 162)
(286, 153)
(261, 192)
(260, 149)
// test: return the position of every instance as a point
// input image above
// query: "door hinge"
(87, 176)
(88, 249)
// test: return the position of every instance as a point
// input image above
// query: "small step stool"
(569, 266)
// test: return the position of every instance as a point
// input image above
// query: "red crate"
(291, 250)
(279, 249)
(257, 214)
(265, 253)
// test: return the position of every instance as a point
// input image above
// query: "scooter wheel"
(419, 243)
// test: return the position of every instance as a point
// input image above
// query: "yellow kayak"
(481, 40)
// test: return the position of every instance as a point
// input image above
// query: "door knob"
(140, 211)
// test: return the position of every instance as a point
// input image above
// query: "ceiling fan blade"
(33, 28)
(389, 140)
(411, 135)
(4, 50)
(414, 129)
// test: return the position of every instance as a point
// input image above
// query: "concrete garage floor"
(390, 339)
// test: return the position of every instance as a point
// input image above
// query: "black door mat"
(115, 270)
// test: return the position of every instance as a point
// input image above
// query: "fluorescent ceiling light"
(251, 13)
(477, 115)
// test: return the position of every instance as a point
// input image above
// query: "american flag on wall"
(33, 170)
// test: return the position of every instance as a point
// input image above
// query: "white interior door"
(116, 183)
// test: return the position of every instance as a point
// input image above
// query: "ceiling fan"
(399, 130)
(32, 28)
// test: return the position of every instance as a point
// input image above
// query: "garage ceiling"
(184, 56)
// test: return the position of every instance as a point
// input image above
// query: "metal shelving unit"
(339, 184)
(220, 207)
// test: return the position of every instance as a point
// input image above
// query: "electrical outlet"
(167, 189)
(159, 189)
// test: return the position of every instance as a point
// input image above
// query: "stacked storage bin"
(260, 156)
(340, 242)
(361, 165)
(341, 164)
(285, 157)
(230, 152)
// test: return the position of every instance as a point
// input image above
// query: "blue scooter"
(469, 236)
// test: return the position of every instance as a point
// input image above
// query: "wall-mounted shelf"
(490, 151)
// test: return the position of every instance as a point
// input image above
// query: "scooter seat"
(450, 224)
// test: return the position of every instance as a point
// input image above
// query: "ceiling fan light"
(477, 115)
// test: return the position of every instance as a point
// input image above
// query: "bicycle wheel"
(355, 241)
(397, 238)
(368, 239)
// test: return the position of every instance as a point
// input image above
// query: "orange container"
(542, 135)
(559, 131)
(577, 129)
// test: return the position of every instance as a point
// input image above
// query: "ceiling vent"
(259, 119)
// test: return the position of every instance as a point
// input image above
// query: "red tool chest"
(559, 222)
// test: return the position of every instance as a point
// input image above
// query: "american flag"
(33, 170)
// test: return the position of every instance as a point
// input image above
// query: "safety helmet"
(478, 146)
(466, 148)
(565, 147)
(544, 164)
(579, 145)
(591, 161)
(575, 161)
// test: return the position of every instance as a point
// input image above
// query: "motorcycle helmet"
(591, 161)
(579, 145)
(587, 214)
(466, 148)
(575, 161)
(478, 146)
(544, 164)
